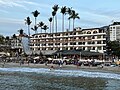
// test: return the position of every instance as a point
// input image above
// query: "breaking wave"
(59, 72)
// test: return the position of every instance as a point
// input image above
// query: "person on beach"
(52, 67)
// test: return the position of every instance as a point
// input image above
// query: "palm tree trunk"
(56, 22)
(35, 25)
(69, 24)
(53, 25)
(73, 23)
(29, 30)
(63, 31)
(63, 23)
(41, 30)
(50, 27)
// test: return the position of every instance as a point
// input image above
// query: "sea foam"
(68, 73)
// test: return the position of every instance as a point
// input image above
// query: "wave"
(69, 73)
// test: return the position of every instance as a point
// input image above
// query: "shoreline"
(64, 67)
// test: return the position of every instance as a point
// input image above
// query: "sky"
(92, 13)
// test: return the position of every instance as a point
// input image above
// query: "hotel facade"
(93, 39)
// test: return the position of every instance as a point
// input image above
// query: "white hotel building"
(115, 31)
(93, 39)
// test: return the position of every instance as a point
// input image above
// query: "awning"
(78, 52)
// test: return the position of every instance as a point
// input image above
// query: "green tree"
(74, 16)
(53, 15)
(35, 14)
(28, 22)
(69, 12)
(113, 48)
(45, 27)
(2, 39)
(50, 20)
(63, 11)
(55, 9)
(21, 32)
(35, 28)
(41, 25)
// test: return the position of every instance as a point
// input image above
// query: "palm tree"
(45, 27)
(50, 20)
(14, 37)
(2, 39)
(74, 15)
(69, 11)
(21, 32)
(55, 8)
(35, 14)
(28, 22)
(41, 25)
(35, 28)
(53, 14)
(63, 11)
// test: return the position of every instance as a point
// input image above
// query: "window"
(79, 43)
(83, 48)
(98, 42)
(104, 42)
(71, 48)
(80, 32)
(104, 36)
(89, 42)
(99, 48)
(88, 32)
(95, 32)
(36, 36)
(98, 37)
(83, 43)
(93, 42)
(93, 48)
(71, 43)
(74, 43)
(117, 27)
(89, 48)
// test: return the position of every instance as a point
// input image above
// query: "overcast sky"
(93, 13)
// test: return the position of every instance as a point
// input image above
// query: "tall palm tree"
(69, 12)
(41, 25)
(28, 22)
(74, 15)
(45, 27)
(35, 14)
(53, 14)
(63, 11)
(55, 8)
(50, 20)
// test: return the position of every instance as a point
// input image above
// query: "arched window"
(94, 31)
(88, 32)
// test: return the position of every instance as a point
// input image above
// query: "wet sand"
(66, 67)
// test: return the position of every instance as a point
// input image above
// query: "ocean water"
(45, 79)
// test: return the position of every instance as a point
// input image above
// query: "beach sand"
(115, 69)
